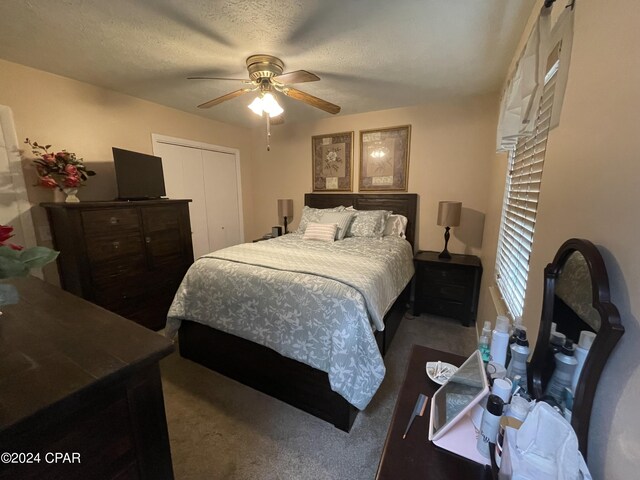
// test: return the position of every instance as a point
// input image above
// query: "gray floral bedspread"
(315, 302)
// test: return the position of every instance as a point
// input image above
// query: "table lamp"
(448, 216)
(285, 210)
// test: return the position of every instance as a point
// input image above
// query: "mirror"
(573, 303)
(576, 298)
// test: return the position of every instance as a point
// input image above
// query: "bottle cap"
(521, 339)
(586, 339)
(502, 324)
(487, 325)
(558, 339)
(568, 348)
(495, 405)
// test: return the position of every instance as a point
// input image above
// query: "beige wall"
(451, 150)
(589, 190)
(89, 120)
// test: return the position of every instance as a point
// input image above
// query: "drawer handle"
(147, 239)
(114, 220)
(116, 245)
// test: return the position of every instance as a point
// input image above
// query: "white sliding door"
(208, 177)
(219, 172)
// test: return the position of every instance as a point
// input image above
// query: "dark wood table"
(76, 379)
(415, 456)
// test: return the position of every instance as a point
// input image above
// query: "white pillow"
(396, 226)
(323, 232)
(310, 214)
(342, 219)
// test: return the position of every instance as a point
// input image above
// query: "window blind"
(520, 204)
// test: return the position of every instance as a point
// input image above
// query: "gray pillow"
(310, 214)
(342, 219)
(368, 223)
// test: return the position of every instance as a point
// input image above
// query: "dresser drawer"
(111, 247)
(99, 222)
(123, 269)
(437, 274)
(457, 293)
(445, 308)
(146, 304)
(160, 218)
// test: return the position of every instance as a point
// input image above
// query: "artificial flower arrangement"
(58, 170)
(16, 261)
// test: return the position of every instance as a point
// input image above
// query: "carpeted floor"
(220, 429)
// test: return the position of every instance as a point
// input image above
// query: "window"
(520, 204)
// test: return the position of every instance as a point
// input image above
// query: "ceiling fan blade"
(224, 98)
(311, 100)
(218, 78)
(299, 76)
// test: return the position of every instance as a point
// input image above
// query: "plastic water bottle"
(563, 374)
(519, 355)
(483, 342)
(500, 341)
(582, 350)
(517, 326)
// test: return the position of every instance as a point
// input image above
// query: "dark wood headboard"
(399, 203)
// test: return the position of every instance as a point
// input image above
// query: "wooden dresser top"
(54, 347)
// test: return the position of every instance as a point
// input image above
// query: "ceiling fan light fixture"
(266, 103)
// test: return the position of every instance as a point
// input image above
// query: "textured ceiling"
(370, 54)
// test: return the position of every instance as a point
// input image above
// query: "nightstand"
(447, 287)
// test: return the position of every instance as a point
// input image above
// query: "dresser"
(76, 379)
(128, 257)
(447, 287)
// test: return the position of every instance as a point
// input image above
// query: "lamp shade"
(449, 214)
(285, 208)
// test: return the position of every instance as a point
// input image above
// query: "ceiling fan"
(265, 76)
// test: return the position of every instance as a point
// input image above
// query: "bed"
(312, 382)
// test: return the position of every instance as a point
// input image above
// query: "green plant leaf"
(8, 252)
(36, 257)
(11, 267)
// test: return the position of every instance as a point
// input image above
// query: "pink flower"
(72, 181)
(71, 170)
(48, 182)
(49, 157)
(6, 232)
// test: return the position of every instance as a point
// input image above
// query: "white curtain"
(15, 209)
(521, 98)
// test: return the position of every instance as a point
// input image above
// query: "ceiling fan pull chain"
(268, 132)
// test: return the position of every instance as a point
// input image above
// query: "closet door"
(183, 178)
(221, 193)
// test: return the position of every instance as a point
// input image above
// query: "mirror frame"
(606, 338)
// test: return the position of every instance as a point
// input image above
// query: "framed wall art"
(332, 156)
(384, 158)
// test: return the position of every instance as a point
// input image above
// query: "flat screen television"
(138, 175)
